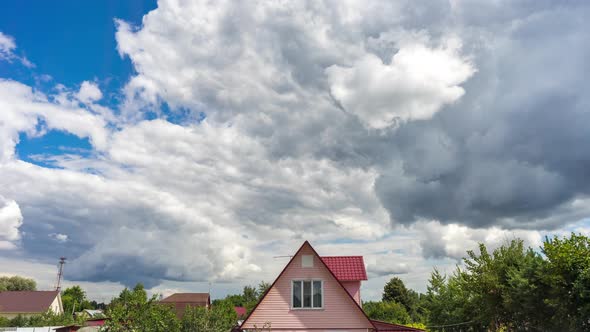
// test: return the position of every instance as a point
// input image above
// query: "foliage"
(47, 319)
(17, 283)
(133, 311)
(74, 299)
(249, 297)
(396, 291)
(387, 311)
(221, 317)
(568, 273)
(516, 288)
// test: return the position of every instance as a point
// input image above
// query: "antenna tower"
(60, 273)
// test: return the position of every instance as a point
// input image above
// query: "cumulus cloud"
(32, 112)
(89, 92)
(271, 104)
(453, 240)
(416, 83)
(10, 221)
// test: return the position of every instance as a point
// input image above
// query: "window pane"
(307, 294)
(296, 294)
(317, 294)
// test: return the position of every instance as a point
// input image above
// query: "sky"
(186, 144)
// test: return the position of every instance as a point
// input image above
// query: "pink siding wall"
(339, 312)
(354, 289)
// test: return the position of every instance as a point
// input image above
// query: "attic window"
(307, 294)
(307, 261)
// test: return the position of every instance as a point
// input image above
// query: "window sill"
(298, 309)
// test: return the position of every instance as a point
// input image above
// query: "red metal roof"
(26, 301)
(241, 311)
(346, 268)
(389, 327)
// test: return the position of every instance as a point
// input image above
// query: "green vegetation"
(512, 288)
(132, 310)
(249, 297)
(47, 319)
(17, 283)
(74, 299)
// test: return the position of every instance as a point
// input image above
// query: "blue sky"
(183, 145)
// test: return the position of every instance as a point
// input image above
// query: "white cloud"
(23, 109)
(89, 92)
(7, 46)
(277, 161)
(417, 83)
(10, 221)
(62, 238)
(454, 240)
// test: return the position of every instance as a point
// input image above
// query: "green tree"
(134, 311)
(221, 317)
(74, 299)
(396, 291)
(17, 283)
(568, 273)
(262, 288)
(387, 311)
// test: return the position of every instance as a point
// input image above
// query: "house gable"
(339, 311)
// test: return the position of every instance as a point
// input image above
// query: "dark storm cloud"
(516, 148)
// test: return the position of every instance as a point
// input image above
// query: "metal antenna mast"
(60, 272)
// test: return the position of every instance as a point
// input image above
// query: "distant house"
(91, 325)
(89, 313)
(315, 293)
(180, 301)
(29, 303)
(241, 312)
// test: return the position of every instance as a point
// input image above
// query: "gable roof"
(26, 301)
(327, 268)
(200, 298)
(346, 268)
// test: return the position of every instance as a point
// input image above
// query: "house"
(29, 303)
(91, 325)
(317, 294)
(180, 301)
(89, 313)
(241, 312)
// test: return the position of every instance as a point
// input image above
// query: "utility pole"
(60, 272)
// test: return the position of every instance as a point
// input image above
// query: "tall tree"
(568, 272)
(221, 317)
(17, 283)
(387, 311)
(74, 299)
(134, 311)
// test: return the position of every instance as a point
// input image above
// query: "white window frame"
(312, 307)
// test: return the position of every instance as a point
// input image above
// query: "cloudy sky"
(184, 144)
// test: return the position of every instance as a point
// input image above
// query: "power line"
(456, 324)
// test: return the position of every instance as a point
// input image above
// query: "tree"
(74, 299)
(396, 291)
(262, 288)
(568, 272)
(516, 288)
(17, 283)
(387, 311)
(134, 311)
(221, 317)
